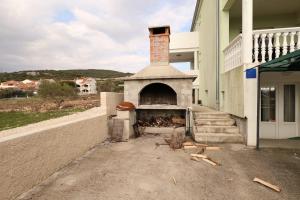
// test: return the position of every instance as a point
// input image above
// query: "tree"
(110, 85)
(56, 91)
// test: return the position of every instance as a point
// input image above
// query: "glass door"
(287, 112)
(268, 111)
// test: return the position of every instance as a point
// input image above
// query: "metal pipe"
(258, 108)
(218, 55)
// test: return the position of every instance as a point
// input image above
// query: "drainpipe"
(218, 55)
(258, 109)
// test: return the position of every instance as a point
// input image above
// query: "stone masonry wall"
(182, 87)
(30, 154)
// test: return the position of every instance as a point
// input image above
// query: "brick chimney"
(159, 44)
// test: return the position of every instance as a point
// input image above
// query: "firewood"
(198, 155)
(265, 183)
(176, 140)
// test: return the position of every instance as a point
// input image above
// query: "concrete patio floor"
(138, 170)
(282, 144)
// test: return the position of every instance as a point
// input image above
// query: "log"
(265, 183)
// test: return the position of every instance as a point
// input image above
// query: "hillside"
(61, 74)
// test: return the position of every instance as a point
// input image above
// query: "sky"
(85, 34)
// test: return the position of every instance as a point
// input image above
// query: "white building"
(86, 86)
(248, 63)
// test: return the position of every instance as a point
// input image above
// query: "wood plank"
(201, 145)
(190, 147)
(209, 161)
(265, 183)
(188, 144)
(195, 159)
(198, 155)
(212, 148)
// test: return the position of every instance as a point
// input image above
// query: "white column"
(247, 30)
(196, 67)
(250, 85)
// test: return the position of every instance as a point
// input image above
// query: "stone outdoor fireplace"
(159, 90)
(157, 94)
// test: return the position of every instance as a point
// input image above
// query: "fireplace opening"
(160, 118)
(158, 93)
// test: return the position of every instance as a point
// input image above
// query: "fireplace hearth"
(160, 92)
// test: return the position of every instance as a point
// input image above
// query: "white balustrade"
(233, 54)
(272, 43)
(267, 45)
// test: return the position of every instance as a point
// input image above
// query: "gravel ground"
(138, 170)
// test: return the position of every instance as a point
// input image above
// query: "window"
(289, 103)
(268, 104)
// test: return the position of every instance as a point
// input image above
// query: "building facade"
(235, 38)
(86, 86)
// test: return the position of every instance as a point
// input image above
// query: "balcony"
(268, 44)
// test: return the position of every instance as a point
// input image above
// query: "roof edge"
(159, 77)
(196, 11)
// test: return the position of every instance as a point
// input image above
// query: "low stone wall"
(30, 154)
(109, 101)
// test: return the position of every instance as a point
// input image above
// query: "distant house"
(25, 85)
(86, 86)
(10, 84)
(29, 85)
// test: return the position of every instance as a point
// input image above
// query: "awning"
(289, 62)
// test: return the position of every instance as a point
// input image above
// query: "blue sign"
(250, 73)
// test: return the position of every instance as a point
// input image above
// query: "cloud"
(98, 34)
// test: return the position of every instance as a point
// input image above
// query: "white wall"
(109, 101)
(30, 154)
(206, 27)
(185, 40)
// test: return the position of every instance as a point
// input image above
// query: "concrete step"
(218, 138)
(215, 122)
(211, 115)
(218, 129)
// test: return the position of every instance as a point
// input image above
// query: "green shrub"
(110, 85)
(56, 91)
(11, 93)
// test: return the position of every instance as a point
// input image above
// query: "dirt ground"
(138, 170)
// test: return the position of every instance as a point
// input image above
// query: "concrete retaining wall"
(109, 101)
(30, 154)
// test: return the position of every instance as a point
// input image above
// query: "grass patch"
(295, 138)
(10, 120)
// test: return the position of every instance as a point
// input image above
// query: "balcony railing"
(233, 54)
(268, 44)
